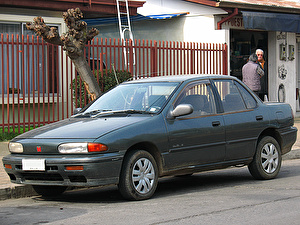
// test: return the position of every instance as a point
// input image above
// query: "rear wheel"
(139, 176)
(49, 191)
(267, 160)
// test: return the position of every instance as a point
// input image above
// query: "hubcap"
(269, 158)
(143, 175)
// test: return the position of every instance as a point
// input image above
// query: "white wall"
(202, 29)
(274, 63)
(198, 25)
(164, 30)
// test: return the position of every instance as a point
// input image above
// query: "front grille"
(80, 179)
(18, 167)
(42, 177)
(51, 168)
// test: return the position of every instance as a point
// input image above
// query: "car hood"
(90, 128)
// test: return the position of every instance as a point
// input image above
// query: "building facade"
(245, 26)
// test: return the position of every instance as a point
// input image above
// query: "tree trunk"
(87, 76)
(73, 42)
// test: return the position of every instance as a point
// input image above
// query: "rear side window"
(248, 98)
(231, 98)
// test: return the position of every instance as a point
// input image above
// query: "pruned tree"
(73, 43)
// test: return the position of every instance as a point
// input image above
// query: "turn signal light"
(74, 167)
(8, 166)
(96, 147)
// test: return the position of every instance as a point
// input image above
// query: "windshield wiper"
(126, 111)
(90, 113)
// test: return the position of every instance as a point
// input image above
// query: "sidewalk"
(9, 190)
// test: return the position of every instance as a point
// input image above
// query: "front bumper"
(100, 169)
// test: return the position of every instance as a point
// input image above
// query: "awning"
(272, 21)
(166, 16)
(139, 17)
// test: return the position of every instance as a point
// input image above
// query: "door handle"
(216, 123)
(259, 117)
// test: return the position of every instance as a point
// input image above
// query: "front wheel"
(267, 160)
(139, 176)
(49, 191)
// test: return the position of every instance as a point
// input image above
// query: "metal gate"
(36, 77)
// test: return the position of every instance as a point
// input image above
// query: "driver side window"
(200, 96)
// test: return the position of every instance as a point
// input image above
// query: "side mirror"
(181, 110)
(77, 110)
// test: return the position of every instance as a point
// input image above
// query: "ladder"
(124, 28)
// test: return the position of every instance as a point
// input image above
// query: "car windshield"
(133, 97)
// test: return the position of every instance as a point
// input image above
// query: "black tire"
(139, 176)
(266, 163)
(49, 191)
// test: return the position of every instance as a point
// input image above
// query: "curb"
(293, 154)
(16, 191)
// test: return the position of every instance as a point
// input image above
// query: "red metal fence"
(36, 77)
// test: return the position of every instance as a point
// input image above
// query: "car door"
(198, 138)
(244, 120)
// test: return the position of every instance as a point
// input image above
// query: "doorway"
(242, 44)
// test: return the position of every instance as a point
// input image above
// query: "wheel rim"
(143, 176)
(269, 157)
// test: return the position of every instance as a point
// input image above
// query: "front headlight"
(15, 147)
(74, 148)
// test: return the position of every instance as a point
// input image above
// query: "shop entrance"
(242, 44)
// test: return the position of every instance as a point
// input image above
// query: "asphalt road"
(228, 196)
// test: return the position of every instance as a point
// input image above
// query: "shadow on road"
(166, 186)
(170, 186)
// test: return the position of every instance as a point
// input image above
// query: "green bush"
(13, 132)
(107, 80)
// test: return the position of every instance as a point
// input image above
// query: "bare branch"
(73, 43)
(49, 34)
(92, 33)
(73, 18)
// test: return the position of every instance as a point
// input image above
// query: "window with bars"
(28, 65)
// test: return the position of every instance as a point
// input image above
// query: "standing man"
(260, 56)
(263, 65)
(252, 72)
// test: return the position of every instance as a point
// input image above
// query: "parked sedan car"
(148, 128)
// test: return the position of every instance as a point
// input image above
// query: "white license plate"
(33, 164)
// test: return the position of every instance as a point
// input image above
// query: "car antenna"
(113, 66)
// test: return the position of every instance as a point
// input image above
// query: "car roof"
(179, 78)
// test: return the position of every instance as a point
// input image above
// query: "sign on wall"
(235, 22)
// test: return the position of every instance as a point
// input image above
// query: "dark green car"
(148, 128)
